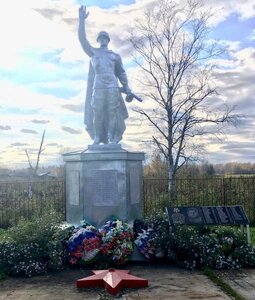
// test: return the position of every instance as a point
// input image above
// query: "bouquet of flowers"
(84, 244)
(145, 242)
(152, 236)
(117, 241)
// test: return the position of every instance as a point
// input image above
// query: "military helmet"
(103, 33)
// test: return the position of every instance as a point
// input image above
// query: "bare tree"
(34, 169)
(174, 53)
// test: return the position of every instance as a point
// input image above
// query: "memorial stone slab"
(239, 214)
(73, 178)
(207, 215)
(210, 215)
(225, 216)
(185, 215)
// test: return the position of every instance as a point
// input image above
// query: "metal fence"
(26, 199)
(201, 191)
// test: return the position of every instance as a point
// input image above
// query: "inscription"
(207, 215)
(224, 215)
(102, 186)
(210, 215)
(239, 215)
(73, 187)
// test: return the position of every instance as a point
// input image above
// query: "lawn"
(2, 232)
(253, 235)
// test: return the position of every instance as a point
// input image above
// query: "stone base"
(105, 147)
(103, 182)
(137, 256)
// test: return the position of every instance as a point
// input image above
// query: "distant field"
(238, 175)
(253, 235)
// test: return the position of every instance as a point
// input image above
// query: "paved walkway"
(165, 282)
(241, 281)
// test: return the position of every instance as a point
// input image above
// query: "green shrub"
(215, 247)
(22, 259)
(33, 247)
(39, 229)
(39, 245)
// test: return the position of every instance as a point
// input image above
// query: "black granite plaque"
(207, 215)
(194, 215)
(175, 216)
(239, 214)
(224, 215)
(185, 215)
(210, 215)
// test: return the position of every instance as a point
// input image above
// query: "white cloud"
(224, 8)
(33, 27)
(252, 36)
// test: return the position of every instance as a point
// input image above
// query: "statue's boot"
(96, 140)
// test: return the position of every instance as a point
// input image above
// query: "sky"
(43, 73)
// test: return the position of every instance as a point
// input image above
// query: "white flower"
(118, 224)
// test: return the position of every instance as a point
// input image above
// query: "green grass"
(222, 284)
(252, 235)
(2, 274)
(2, 233)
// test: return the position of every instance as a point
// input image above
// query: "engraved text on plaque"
(103, 186)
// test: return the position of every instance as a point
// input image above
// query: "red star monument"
(112, 280)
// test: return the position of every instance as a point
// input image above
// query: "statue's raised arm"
(105, 109)
(83, 15)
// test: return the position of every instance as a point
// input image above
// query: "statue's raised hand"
(83, 14)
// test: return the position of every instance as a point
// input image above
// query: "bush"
(217, 247)
(22, 259)
(41, 244)
(214, 247)
(33, 247)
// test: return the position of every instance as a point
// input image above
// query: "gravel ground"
(165, 282)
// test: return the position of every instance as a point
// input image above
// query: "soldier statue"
(105, 109)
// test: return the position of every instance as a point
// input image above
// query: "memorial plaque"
(210, 215)
(224, 215)
(175, 216)
(207, 215)
(194, 215)
(102, 186)
(73, 187)
(135, 186)
(185, 215)
(239, 214)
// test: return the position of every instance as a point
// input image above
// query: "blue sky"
(43, 75)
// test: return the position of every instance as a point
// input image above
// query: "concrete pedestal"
(102, 182)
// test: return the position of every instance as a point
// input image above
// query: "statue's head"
(103, 34)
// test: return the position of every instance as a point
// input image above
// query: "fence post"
(223, 187)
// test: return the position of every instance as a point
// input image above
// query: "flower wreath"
(117, 241)
(84, 244)
(145, 242)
